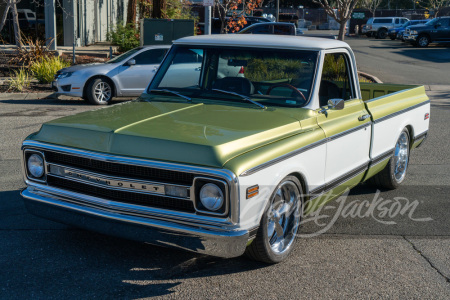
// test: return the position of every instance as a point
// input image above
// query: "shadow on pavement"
(89, 264)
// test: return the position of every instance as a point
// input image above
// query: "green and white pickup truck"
(234, 138)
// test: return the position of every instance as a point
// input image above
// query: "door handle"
(363, 117)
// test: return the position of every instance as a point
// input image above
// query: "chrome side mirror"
(131, 62)
(336, 104)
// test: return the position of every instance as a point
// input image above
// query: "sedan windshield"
(270, 77)
(123, 56)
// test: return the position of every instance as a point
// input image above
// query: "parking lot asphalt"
(377, 255)
(398, 62)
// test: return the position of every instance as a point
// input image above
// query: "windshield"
(271, 77)
(406, 24)
(431, 22)
(123, 56)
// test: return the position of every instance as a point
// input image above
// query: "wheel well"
(103, 77)
(411, 134)
(382, 28)
(303, 182)
(425, 34)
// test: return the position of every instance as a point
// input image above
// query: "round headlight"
(211, 196)
(36, 165)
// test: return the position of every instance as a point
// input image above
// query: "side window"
(150, 57)
(403, 21)
(336, 81)
(261, 29)
(282, 30)
(397, 21)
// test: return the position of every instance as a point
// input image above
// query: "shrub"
(125, 36)
(20, 81)
(36, 51)
(45, 69)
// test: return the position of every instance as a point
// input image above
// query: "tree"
(437, 5)
(131, 11)
(343, 13)
(371, 5)
(12, 4)
(237, 20)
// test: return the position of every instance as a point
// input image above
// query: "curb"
(370, 77)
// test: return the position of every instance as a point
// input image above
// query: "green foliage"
(334, 67)
(272, 69)
(176, 9)
(20, 80)
(125, 36)
(45, 69)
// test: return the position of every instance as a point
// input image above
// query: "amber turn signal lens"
(252, 191)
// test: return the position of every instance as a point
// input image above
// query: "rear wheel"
(382, 33)
(99, 91)
(279, 224)
(395, 171)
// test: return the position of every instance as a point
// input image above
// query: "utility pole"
(278, 10)
(50, 24)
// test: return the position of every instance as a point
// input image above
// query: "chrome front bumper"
(410, 38)
(222, 243)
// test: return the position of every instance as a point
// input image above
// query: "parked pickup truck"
(435, 31)
(223, 162)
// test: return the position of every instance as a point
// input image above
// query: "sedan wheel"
(99, 91)
(279, 224)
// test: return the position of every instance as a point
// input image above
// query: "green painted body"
(217, 134)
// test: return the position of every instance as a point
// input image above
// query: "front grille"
(121, 196)
(120, 170)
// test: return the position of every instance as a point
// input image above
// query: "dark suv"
(437, 30)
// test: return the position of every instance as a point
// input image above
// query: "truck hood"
(193, 133)
(416, 27)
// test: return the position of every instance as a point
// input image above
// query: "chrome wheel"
(401, 157)
(283, 217)
(102, 92)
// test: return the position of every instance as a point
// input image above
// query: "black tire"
(423, 41)
(261, 249)
(388, 178)
(382, 33)
(99, 91)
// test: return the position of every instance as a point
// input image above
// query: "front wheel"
(382, 33)
(423, 41)
(99, 91)
(395, 171)
(279, 223)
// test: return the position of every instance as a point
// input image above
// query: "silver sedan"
(125, 75)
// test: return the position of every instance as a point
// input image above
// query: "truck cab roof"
(276, 41)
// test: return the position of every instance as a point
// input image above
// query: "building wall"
(89, 21)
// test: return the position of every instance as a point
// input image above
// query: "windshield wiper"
(242, 97)
(171, 92)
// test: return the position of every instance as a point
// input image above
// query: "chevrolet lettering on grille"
(105, 181)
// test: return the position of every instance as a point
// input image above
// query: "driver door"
(347, 130)
(134, 79)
